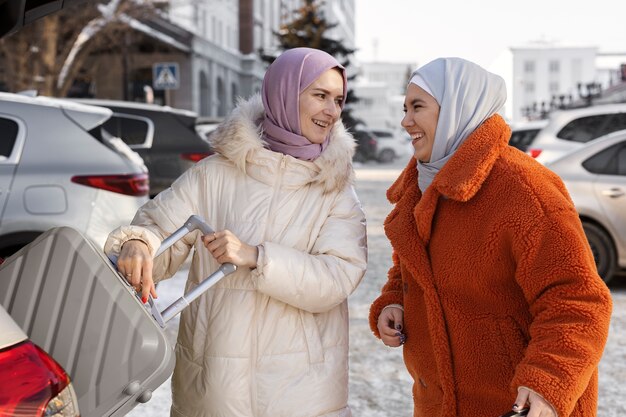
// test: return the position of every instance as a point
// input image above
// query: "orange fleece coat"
(498, 284)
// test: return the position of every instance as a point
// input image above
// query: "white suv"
(392, 144)
(571, 129)
(59, 168)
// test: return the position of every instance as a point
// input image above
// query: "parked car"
(571, 129)
(207, 125)
(595, 176)
(523, 133)
(366, 146)
(56, 169)
(392, 144)
(165, 137)
(31, 382)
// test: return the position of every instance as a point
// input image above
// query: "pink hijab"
(288, 76)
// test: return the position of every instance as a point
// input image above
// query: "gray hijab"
(468, 95)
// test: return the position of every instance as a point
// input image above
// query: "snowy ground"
(379, 383)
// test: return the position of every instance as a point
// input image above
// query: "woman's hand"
(135, 263)
(538, 406)
(390, 325)
(227, 248)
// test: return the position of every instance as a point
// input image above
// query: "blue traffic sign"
(165, 76)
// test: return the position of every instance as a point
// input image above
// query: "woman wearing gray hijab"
(493, 292)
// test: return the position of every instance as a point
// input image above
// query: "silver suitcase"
(69, 298)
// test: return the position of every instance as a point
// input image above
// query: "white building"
(609, 69)
(380, 88)
(540, 73)
(228, 36)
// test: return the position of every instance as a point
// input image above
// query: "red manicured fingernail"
(144, 299)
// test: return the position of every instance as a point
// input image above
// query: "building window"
(529, 67)
(553, 87)
(529, 87)
(554, 66)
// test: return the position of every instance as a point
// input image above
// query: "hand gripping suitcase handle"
(193, 223)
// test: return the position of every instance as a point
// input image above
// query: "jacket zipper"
(255, 346)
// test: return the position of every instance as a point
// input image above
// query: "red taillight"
(195, 156)
(534, 152)
(132, 184)
(29, 379)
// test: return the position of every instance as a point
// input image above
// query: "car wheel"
(387, 155)
(602, 249)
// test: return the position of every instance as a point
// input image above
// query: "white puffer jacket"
(273, 341)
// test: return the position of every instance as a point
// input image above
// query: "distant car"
(31, 382)
(392, 144)
(524, 133)
(595, 176)
(165, 137)
(571, 129)
(207, 125)
(366, 146)
(56, 169)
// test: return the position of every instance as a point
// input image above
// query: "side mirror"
(16, 13)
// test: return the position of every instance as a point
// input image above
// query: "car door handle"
(613, 192)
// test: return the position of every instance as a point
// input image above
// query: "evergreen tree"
(309, 29)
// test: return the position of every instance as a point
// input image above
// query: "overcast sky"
(418, 31)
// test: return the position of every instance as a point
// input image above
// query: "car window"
(584, 129)
(621, 160)
(360, 135)
(381, 134)
(521, 139)
(132, 130)
(8, 137)
(611, 161)
(616, 122)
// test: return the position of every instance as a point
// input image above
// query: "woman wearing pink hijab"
(270, 339)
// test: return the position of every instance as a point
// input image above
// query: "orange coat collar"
(461, 178)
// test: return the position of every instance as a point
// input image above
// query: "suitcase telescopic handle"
(193, 223)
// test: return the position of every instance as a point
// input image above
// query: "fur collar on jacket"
(239, 140)
(463, 175)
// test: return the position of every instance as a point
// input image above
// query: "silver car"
(595, 176)
(59, 168)
(163, 136)
(571, 129)
(392, 144)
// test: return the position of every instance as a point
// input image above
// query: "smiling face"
(421, 113)
(320, 106)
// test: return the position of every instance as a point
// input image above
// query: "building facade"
(543, 75)
(228, 36)
(380, 88)
(214, 45)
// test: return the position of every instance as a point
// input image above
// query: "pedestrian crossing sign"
(165, 75)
